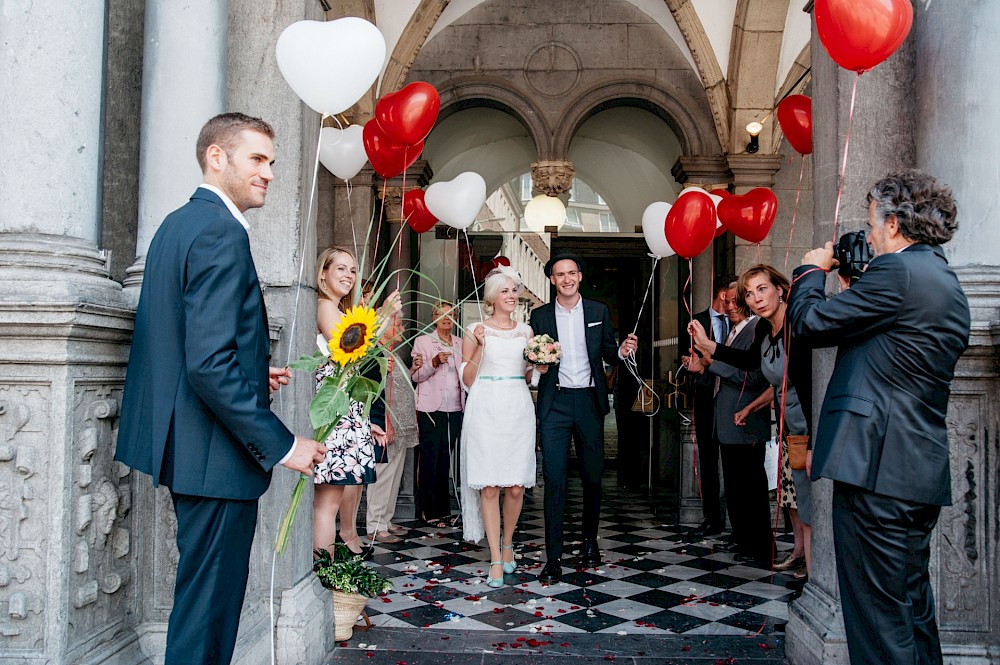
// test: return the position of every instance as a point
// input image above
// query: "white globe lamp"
(543, 211)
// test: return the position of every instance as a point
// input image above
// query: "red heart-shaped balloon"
(501, 261)
(388, 157)
(415, 211)
(795, 117)
(408, 116)
(859, 34)
(751, 215)
(690, 224)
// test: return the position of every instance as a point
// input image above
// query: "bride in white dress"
(498, 433)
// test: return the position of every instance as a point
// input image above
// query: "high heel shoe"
(366, 552)
(508, 568)
(495, 582)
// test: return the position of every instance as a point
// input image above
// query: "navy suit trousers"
(883, 548)
(574, 415)
(214, 538)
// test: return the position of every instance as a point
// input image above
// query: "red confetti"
(686, 647)
(497, 610)
(445, 637)
(472, 598)
(385, 599)
(564, 644)
(406, 614)
(611, 658)
(574, 607)
(370, 654)
(343, 644)
(538, 614)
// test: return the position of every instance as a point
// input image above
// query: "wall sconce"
(754, 129)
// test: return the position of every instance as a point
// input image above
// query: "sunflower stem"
(285, 530)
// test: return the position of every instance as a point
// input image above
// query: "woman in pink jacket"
(440, 401)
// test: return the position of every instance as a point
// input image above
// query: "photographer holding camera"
(882, 438)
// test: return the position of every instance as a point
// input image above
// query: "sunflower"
(352, 337)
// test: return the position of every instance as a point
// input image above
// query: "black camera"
(853, 254)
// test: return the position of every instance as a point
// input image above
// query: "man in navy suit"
(882, 436)
(572, 404)
(195, 413)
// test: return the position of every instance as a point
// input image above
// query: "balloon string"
(472, 271)
(795, 210)
(758, 253)
(645, 296)
(402, 226)
(633, 366)
(843, 166)
(378, 227)
(302, 257)
(690, 307)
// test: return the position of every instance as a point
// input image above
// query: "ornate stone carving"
(961, 585)
(24, 511)
(165, 554)
(552, 177)
(552, 69)
(102, 523)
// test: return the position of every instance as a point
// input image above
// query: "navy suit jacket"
(737, 388)
(601, 345)
(195, 412)
(899, 331)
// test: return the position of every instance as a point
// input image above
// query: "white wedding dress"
(498, 432)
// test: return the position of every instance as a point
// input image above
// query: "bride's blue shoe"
(508, 568)
(495, 582)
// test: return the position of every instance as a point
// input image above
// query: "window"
(608, 223)
(573, 218)
(526, 187)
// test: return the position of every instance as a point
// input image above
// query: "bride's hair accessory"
(494, 282)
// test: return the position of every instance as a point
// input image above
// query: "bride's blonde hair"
(495, 281)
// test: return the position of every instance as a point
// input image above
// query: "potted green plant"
(350, 582)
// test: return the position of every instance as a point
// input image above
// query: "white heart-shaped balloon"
(715, 200)
(342, 151)
(653, 221)
(330, 64)
(456, 202)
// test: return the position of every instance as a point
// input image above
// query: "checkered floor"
(654, 580)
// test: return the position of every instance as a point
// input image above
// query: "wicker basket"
(346, 609)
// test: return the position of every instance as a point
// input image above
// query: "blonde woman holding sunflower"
(352, 447)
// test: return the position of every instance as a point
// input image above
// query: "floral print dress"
(350, 448)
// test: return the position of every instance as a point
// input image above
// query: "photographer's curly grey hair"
(923, 206)
(494, 282)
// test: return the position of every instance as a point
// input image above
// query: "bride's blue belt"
(501, 378)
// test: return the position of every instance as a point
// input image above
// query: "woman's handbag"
(798, 444)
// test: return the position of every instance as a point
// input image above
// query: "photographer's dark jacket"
(899, 331)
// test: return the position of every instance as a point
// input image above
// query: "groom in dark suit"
(572, 404)
(195, 413)
(882, 435)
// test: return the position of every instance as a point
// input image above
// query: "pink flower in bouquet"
(549, 348)
(532, 356)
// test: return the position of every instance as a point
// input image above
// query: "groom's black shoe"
(591, 552)
(551, 573)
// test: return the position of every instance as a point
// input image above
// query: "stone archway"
(694, 133)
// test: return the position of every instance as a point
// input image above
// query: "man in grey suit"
(572, 404)
(882, 436)
(195, 413)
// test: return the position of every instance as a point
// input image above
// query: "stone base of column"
(68, 548)
(690, 511)
(305, 624)
(815, 630)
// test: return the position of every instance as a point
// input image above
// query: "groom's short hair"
(564, 256)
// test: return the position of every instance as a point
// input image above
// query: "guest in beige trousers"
(402, 435)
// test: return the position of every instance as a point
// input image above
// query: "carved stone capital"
(751, 171)
(552, 177)
(701, 170)
(392, 203)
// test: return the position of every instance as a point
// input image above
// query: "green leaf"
(309, 363)
(362, 389)
(329, 405)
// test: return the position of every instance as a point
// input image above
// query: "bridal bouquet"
(542, 350)
(353, 351)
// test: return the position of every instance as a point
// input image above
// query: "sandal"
(495, 582)
(398, 530)
(791, 562)
(386, 537)
(508, 568)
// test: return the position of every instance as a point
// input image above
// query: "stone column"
(958, 141)
(183, 85)
(882, 140)
(751, 171)
(68, 588)
(346, 221)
